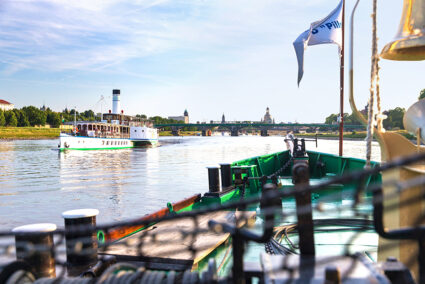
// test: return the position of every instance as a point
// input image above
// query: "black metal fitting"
(213, 179)
(397, 272)
(102, 264)
(34, 245)
(238, 171)
(301, 177)
(226, 175)
(81, 240)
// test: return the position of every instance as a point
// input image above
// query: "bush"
(11, 118)
(2, 119)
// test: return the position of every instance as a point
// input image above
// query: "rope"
(374, 90)
(275, 246)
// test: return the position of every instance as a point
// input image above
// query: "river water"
(38, 183)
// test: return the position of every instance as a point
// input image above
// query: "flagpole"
(341, 84)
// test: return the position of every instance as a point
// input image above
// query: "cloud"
(60, 35)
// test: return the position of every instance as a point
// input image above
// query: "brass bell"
(409, 43)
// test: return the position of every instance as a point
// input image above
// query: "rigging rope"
(373, 120)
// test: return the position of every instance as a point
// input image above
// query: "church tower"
(267, 116)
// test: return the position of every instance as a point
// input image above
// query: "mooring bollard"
(81, 243)
(226, 176)
(213, 179)
(301, 178)
(34, 244)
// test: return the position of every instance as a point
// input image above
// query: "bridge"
(236, 127)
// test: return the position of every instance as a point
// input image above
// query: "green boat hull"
(334, 198)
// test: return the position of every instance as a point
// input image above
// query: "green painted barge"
(335, 219)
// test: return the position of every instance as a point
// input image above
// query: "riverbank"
(28, 133)
(35, 133)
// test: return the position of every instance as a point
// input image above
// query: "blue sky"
(211, 57)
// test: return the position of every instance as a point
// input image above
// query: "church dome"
(267, 117)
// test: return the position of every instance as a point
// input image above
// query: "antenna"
(101, 101)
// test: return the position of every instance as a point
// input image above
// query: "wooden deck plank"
(172, 238)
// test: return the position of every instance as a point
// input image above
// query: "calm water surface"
(37, 182)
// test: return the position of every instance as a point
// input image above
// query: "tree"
(34, 115)
(23, 119)
(331, 119)
(422, 94)
(142, 116)
(54, 119)
(2, 119)
(88, 114)
(394, 118)
(11, 118)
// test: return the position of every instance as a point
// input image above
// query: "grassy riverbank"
(52, 133)
(28, 133)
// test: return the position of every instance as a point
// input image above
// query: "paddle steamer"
(114, 131)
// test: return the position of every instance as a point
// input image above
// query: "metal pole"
(341, 82)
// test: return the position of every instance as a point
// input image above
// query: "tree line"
(32, 116)
(394, 118)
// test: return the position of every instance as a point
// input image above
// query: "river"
(38, 183)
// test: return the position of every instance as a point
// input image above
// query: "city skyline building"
(184, 117)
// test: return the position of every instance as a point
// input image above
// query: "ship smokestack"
(116, 101)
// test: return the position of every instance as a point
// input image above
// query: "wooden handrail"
(122, 232)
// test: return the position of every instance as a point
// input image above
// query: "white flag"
(327, 30)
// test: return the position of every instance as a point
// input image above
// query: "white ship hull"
(70, 142)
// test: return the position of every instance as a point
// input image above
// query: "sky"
(209, 57)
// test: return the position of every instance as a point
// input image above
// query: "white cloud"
(60, 35)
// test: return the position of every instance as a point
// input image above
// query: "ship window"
(107, 142)
(143, 131)
(135, 130)
(103, 142)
